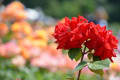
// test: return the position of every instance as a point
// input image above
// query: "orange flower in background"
(37, 39)
(20, 15)
(25, 45)
(15, 5)
(41, 34)
(52, 49)
(28, 50)
(26, 27)
(25, 53)
(22, 26)
(50, 31)
(115, 66)
(3, 29)
(14, 10)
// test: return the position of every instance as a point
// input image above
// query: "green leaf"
(99, 71)
(7, 38)
(99, 64)
(78, 56)
(80, 66)
(96, 58)
(69, 76)
(75, 53)
(90, 56)
(64, 51)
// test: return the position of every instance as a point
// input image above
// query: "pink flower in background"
(9, 49)
(45, 60)
(34, 51)
(30, 52)
(53, 60)
(70, 64)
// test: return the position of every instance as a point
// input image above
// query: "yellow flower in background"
(41, 34)
(22, 26)
(39, 43)
(26, 27)
(39, 38)
(16, 27)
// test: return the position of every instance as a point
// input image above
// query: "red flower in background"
(77, 31)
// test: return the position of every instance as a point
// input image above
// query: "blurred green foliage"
(69, 8)
(62, 8)
(11, 72)
(115, 27)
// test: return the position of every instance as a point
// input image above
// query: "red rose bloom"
(71, 33)
(102, 41)
(77, 31)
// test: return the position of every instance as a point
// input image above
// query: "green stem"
(83, 53)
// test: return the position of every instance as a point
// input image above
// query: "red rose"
(102, 41)
(77, 31)
(71, 33)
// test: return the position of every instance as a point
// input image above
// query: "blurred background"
(27, 48)
(60, 8)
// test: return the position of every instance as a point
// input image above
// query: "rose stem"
(78, 78)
